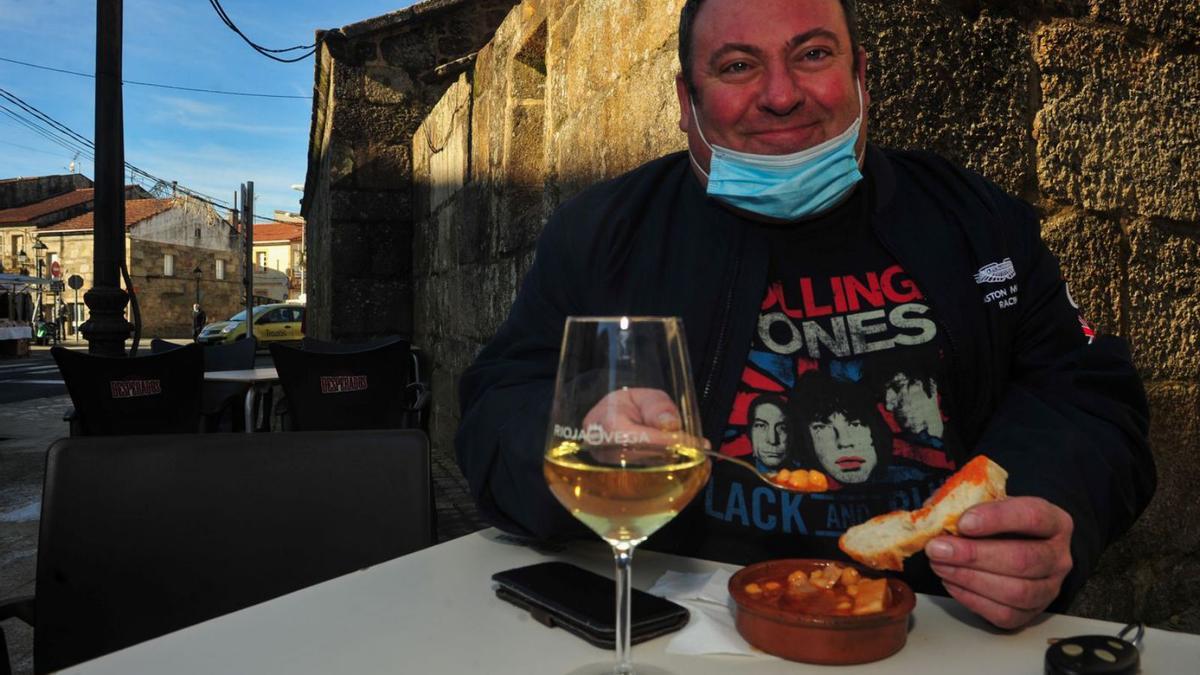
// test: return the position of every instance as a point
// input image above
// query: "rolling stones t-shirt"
(844, 376)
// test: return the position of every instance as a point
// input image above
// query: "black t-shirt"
(843, 377)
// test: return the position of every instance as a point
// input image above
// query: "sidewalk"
(27, 428)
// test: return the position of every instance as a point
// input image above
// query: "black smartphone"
(584, 603)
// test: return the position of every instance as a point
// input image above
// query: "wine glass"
(624, 448)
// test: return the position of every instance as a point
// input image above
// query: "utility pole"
(248, 229)
(107, 328)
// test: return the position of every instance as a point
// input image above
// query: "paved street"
(28, 378)
(32, 401)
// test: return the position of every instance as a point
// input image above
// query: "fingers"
(656, 408)
(1027, 516)
(996, 613)
(638, 415)
(1010, 563)
(1021, 558)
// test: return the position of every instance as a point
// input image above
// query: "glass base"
(608, 668)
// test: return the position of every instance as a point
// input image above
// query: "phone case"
(583, 603)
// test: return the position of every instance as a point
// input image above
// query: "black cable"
(153, 84)
(267, 52)
(90, 148)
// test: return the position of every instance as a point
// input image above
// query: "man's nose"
(781, 94)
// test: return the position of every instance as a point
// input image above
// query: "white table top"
(435, 612)
(15, 332)
(250, 375)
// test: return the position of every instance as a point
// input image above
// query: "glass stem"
(624, 558)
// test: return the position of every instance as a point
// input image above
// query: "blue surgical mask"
(785, 187)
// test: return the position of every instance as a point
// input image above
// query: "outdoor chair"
(217, 398)
(331, 386)
(155, 394)
(141, 536)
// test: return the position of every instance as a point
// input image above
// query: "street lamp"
(197, 273)
(39, 247)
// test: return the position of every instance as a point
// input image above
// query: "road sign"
(56, 269)
(75, 281)
(56, 286)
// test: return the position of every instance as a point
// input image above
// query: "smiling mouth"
(850, 463)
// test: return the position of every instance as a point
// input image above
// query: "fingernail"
(969, 522)
(667, 421)
(939, 550)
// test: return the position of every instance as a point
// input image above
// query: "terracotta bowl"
(815, 638)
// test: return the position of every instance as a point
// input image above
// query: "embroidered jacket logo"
(596, 434)
(997, 272)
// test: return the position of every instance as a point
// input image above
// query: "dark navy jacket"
(1066, 418)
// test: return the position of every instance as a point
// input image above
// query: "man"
(788, 245)
(199, 319)
(769, 432)
(907, 387)
(843, 434)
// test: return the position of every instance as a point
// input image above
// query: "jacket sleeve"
(505, 399)
(1073, 424)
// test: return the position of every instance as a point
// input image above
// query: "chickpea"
(753, 590)
(782, 477)
(850, 576)
(799, 480)
(817, 481)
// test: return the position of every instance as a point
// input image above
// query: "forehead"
(767, 409)
(766, 23)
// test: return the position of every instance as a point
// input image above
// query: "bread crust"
(884, 542)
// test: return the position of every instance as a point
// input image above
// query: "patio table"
(434, 611)
(258, 379)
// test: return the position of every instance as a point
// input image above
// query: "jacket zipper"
(716, 361)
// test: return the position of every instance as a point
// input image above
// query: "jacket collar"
(877, 164)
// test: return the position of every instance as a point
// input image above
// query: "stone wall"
(1086, 108)
(375, 82)
(166, 302)
(16, 192)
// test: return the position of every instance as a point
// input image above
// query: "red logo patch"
(341, 384)
(135, 388)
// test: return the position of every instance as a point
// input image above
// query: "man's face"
(844, 447)
(768, 435)
(916, 409)
(772, 76)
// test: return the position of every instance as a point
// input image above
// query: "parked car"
(280, 322)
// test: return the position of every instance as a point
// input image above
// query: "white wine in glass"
(623, 452)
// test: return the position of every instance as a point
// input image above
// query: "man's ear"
(685, 103)
(863, 58)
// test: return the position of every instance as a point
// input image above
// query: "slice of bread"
(883, 542)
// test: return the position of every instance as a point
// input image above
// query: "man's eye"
(816, 54)
(736, 67)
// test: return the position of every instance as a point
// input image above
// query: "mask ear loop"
(699, 130)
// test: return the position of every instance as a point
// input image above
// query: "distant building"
(27, 204)
(175, 249)
(279, 246)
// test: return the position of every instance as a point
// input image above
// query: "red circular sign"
(55, 269)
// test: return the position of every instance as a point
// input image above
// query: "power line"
(69, 139)
(155, 84)
(26, 147)
(269, 53)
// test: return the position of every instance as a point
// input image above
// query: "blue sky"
(207, 142)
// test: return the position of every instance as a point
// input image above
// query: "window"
(168, 265)
(16, 244)
(220, 269)
(262, 260)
